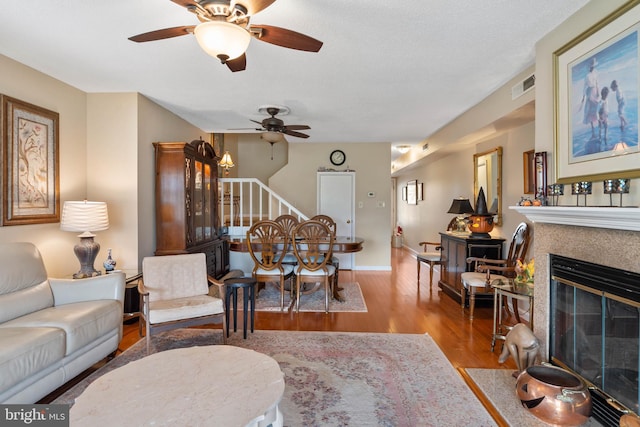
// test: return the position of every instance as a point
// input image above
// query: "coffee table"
(217, 385)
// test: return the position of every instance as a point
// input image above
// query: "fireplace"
(602, 236)
(594, 331)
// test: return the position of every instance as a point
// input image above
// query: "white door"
(336, 198)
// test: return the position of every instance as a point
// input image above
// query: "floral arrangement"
(525, 270)
(398, 231)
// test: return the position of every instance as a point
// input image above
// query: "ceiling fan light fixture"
(272, 137)
(403, 148)
(222, 39)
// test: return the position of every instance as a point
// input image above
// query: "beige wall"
(105, 155)
(26, 84)
(446, 170)
(573, 27)
(296, 182)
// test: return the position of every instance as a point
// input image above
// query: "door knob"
(348, 221)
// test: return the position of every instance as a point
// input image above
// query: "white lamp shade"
(84, 216)
(222, 39)
(226, 161)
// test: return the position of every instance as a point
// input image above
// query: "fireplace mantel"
(599, 217)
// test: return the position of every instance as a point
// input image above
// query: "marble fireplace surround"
(608, 236)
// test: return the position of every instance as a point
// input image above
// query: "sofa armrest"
(109, 286)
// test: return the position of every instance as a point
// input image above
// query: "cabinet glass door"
(207, 202)
(198, 201)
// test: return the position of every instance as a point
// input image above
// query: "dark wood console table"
(456, 247)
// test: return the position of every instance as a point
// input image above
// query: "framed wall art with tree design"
(29, 153)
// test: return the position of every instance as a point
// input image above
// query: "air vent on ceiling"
(523, 87)
(425, 147)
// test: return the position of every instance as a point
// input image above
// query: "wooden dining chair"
(488, 270)
(267, 242)
(335, 261)
(288, 224)
(313, 246)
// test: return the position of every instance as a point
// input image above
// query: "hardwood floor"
(395, 305)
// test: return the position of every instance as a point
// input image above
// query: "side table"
(248, 285)
(515, 290)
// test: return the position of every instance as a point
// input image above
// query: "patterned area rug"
(343, 379)
(269, 300)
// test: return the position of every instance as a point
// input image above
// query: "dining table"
(341, 245)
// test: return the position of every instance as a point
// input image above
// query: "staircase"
(244, 201)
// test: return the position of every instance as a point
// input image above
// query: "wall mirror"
(487, 173)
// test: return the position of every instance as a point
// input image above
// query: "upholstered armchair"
(175, 293)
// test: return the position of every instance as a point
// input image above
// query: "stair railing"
(243, 201)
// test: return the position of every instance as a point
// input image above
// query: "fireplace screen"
(595, 328)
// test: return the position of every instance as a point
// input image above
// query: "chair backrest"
(170, 277)
(326, 219)
(519, 244)
(313, 245)
(267, 242)
(288, 223)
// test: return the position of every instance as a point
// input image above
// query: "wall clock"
(337, 157)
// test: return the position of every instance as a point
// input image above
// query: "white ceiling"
(389, 71)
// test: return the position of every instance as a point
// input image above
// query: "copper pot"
(554, 395)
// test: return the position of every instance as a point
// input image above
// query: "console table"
(456, 248)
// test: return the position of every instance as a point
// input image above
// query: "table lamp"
(85, 217)
(460, 207)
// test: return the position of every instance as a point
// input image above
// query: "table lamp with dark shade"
(85, 217)
(460, 207)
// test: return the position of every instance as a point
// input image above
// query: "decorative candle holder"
(555, 191)
(616, 186)
(578, 188)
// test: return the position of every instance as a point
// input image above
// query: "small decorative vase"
(109, 263)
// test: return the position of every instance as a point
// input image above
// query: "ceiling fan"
(273, 125)
(225, 32)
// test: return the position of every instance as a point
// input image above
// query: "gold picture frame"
(30, 164)
(587, 141)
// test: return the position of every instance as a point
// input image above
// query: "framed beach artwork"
(596, 100)
(30, 181)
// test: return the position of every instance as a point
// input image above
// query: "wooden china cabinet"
(187, 218)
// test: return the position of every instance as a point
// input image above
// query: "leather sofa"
(52, 329)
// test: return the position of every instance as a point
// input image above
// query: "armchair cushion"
(184, 308)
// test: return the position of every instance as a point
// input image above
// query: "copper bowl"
(554, 395)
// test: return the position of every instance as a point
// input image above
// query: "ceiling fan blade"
(252, 6)
(297, 127)
(238, 64)
(255, 121)
(165, 33)
(186, 3)
(287, 38)
(294, 133)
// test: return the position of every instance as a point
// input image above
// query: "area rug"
(268, 299)
(342, 379)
